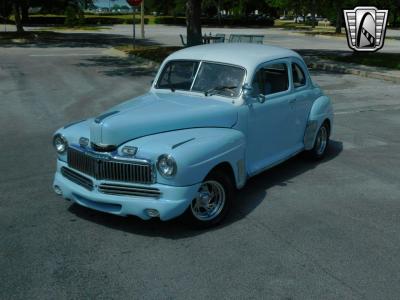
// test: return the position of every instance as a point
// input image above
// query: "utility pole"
(142, 18)
(4, 15)
(134, 27)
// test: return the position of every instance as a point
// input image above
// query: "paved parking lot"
(299, 231)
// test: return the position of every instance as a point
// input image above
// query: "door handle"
(292, 101)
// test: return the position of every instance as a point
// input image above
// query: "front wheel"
(212, 202)
(321, 143)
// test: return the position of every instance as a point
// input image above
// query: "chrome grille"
(77, 178)
(104, 168)
(129, 190)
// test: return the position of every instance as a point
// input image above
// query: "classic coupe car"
(215, 116)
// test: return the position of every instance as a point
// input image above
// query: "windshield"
(206, 77)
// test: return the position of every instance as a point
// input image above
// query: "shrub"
(71, 18)
(262, 22)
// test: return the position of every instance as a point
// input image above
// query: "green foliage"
(71, 16)
(170, 20)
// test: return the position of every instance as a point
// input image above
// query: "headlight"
(166, 165)
(60, 143)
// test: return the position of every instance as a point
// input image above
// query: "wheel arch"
(320, 113)
(225, 168)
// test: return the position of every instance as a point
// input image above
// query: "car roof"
(246, 55)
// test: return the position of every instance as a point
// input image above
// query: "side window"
(299, 79)
(271, 79)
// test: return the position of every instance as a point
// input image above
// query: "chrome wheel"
(322, 141)
(209, 202)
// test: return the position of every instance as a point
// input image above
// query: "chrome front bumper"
(170, 202)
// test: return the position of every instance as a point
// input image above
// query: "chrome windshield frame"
(155, 86)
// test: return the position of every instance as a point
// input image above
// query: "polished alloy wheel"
(209, 202)
(322, 140)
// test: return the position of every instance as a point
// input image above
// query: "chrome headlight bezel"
(165, 161)
(60, 143)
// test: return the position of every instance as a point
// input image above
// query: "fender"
(320, 111)
(73, 132)
(196, 151)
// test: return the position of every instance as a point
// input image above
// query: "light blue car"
(215, 116)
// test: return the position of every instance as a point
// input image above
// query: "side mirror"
(247, 91)
(248, 94)
(261, 98)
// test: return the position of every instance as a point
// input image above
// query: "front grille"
(106, 169)
(77, 178)
(126, 190)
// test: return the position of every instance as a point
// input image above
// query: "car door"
(270, 120)
(302, 99)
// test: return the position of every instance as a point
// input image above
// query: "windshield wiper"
(216, 89)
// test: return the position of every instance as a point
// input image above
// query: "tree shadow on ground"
(121, 66)
(249, 198)
(73, 40)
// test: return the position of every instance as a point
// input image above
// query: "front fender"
(73, 132)
(321, 110)
(196, 151)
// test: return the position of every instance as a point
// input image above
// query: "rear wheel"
(212, 202)
(321, 143)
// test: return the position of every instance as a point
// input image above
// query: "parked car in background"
(215, 116)
(299, 19)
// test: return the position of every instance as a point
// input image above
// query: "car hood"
(159, 112)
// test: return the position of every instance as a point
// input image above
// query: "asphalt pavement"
(302, 230)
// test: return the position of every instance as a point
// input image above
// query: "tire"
(214, 200)
(321, 143)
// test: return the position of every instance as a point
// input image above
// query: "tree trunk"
(313, 7)
(339, 17)
(17, 16)
(219, 12)
(25, 12)
(193, 22)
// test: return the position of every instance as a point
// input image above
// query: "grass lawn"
(124, 19)
(154, 53)
(376, 59)
(78, 28)
(301, 26)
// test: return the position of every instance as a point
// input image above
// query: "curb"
(334, 67)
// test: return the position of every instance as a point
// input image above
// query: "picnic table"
(207, 39)
(246, 38)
